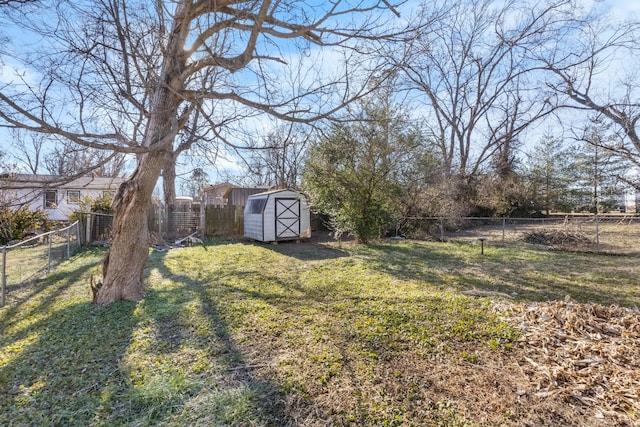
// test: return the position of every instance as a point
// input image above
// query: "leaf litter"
(586, 354)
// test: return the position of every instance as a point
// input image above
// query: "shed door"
(287, 218)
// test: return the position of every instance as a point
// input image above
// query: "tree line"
(437, 101)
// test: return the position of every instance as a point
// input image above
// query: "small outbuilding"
(277, 215)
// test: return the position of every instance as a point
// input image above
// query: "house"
(277, 215)
(58, 196)
(227, 194)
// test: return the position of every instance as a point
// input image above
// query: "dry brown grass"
(610, 235)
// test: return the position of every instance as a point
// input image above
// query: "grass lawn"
(295, 334)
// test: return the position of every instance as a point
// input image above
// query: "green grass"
(27, 263)
(244, 334)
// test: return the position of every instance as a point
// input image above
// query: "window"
(256, 206)
(73, 197)
(50, 199)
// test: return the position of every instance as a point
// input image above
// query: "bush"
(15, 224)
(97, 205)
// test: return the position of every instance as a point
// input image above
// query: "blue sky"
(622, 9)
(629, 9)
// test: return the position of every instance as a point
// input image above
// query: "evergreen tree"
(549, 175)
(597, 169)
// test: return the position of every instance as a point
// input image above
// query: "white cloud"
(622, 9)
(13, 73)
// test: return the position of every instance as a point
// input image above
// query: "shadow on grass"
(64, 369)
(303, 250)
(66, 362)
(174, 358)
(227, 390)
(524, 275)
(413, 261)
(37, 296)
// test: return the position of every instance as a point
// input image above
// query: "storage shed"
(277, 215)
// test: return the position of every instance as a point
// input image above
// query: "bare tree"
(15, 2)
(5, 167)
(28, 150)
(466, 63)
(593, 69)
(130, 76)
(192, 185)
(277, 159)
(67, 160)
(41, 153)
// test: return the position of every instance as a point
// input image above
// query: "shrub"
(15, 224)
(99, 205)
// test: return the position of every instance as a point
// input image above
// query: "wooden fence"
(227, 221)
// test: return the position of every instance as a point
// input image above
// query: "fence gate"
(287, 218)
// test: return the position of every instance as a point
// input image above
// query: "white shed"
(277, 215)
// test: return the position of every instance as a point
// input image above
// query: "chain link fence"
(32, 258)
(167, 223)
(613, 234)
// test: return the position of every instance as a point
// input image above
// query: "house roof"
(211, 187)
(225, 188)
(277, 190)
(27, 181)
(228, 186)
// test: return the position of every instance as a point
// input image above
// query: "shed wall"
(269, 220)
(253, 226)
(264, 226)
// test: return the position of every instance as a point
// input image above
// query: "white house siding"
(30, 190)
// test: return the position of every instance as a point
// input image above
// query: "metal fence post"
(87, 236)
(4, 274)
(504, 226)
(597, 233)
(49, 254)
(68, 243)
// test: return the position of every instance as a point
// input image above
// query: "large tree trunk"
(124, 264)
(169, 180)
(169, 190)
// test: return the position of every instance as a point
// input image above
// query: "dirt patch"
(575, 365)
(492, 391)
